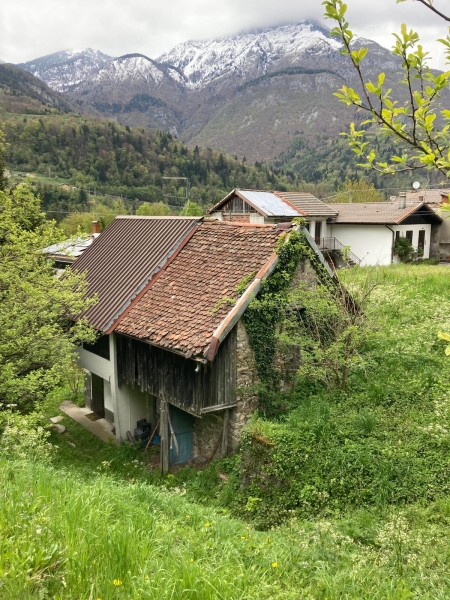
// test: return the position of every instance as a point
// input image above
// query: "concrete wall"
(371, 243)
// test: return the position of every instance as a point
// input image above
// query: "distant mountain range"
(253, 94)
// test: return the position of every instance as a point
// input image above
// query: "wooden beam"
(164, 435)
(226, 417)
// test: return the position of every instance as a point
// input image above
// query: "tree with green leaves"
(2, 161)
(154, 209)
(358, 190)
(191, 209)
(37, 336)
(420, 124)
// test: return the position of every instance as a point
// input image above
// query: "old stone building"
(174, 350)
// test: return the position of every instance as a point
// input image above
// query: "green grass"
(67, 538)
(359, 482)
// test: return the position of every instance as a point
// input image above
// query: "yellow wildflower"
(192, 560)
(117, 582)
(147, 577)
(242, 537)
(207, 525)
(274, 565)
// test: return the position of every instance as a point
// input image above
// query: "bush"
(403, 249)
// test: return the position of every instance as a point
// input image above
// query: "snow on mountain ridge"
(202, 62)
(62, 70)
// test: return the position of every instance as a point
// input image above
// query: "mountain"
(254, 94)
(63, 70)
(21, 92)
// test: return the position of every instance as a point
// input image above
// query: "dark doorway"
(98, 396)
(318, 232)
(183, 425)
(421, 243)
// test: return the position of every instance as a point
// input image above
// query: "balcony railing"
(331, 244)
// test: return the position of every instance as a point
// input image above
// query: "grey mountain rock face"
(63, 70)
(251, 94)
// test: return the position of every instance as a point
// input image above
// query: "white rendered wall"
(370, 243)
(415, 240)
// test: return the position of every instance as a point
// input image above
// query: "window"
(318, 230)
(409, 235)
(100, 347)
(397, 235)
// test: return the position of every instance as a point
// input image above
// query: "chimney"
(421, 197)
(402, 200)
(96, 227)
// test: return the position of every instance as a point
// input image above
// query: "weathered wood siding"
(172, 377)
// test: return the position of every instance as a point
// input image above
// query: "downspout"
(393, 242)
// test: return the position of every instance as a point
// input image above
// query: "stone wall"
(208, 428)
(246, 380)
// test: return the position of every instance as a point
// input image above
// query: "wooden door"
(98, 396)
(183, 425)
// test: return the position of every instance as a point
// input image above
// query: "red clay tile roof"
(190, 297)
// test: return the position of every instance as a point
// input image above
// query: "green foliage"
(191, 209)
(383, 442)
(265, 313)
(3, 179)
(154, 209)
(37, 338)
(23, 436)
(420, 123)
(403, 249)
(126, 161)
(358, 191)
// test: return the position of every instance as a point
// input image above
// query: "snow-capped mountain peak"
(65, 69)
(248, 53)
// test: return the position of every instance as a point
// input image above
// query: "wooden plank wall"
(172, 377)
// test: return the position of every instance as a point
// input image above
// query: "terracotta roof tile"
(183, 307)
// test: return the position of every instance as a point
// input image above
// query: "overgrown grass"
(67, 538)
(386, 440)
(359, 481)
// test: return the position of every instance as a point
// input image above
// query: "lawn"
(359, 489)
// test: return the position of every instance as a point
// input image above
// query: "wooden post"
(226, 416)
(164, 434)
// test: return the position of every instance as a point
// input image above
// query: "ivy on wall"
(266, 311)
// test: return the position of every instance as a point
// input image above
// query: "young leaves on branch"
(419, 123)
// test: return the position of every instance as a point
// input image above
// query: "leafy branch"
(413, 122)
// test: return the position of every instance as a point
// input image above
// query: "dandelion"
(242, 537)
(207, 525)
(188, 517)
(274, 565)
(192, 560)
(117, 582)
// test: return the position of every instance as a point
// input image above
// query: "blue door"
(183, 425)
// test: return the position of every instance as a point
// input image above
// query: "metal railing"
(331, 244)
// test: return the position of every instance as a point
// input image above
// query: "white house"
(370, 229)
(253, 206)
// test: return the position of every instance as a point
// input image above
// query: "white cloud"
(29, 29)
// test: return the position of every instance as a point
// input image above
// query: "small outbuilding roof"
(70, 249)
(195, 294)
(122, 260)
(381, 213)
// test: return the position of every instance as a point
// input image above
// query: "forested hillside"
(131, 162)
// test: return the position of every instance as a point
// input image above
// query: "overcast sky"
(34, 28)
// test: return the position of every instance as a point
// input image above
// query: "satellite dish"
(416, 185)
